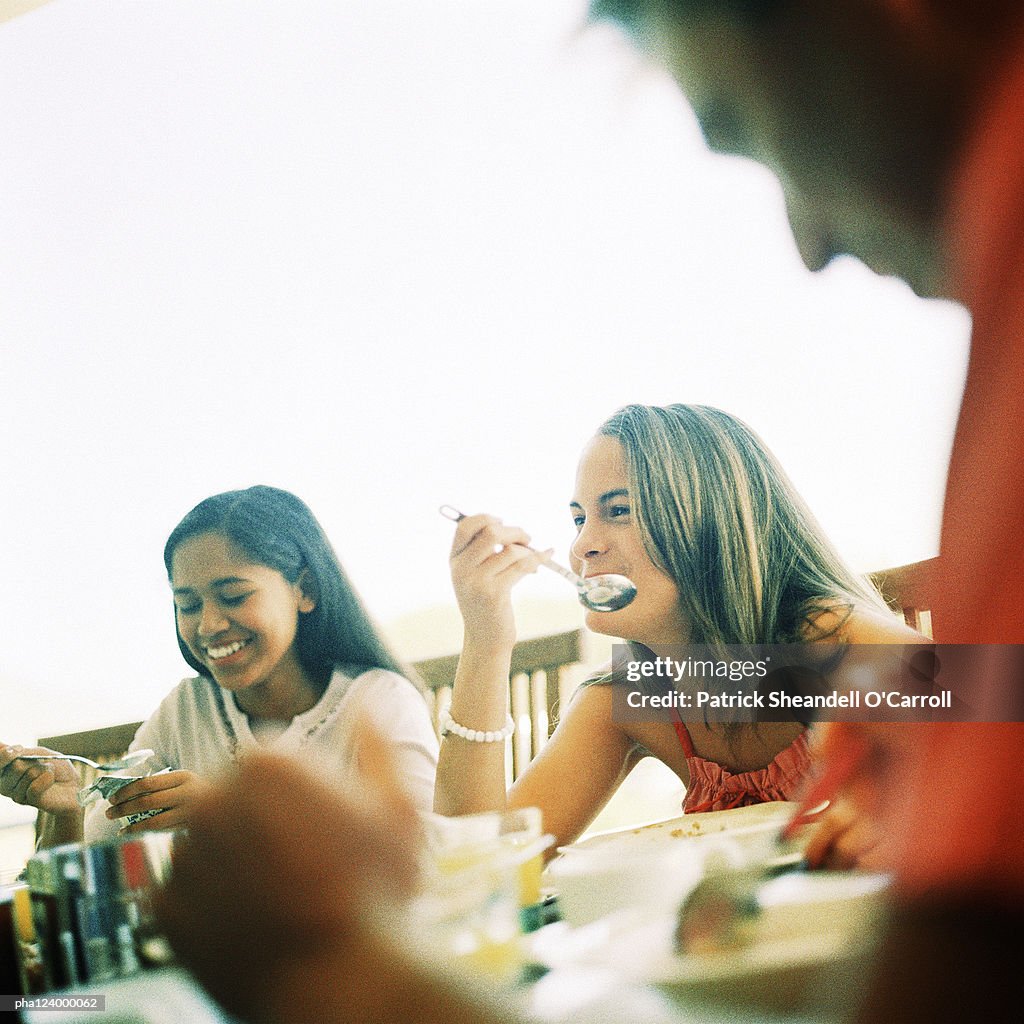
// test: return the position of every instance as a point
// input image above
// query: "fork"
(128, 761)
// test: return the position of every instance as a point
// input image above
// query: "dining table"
(569, 995)
(581, 995)
(610, 957)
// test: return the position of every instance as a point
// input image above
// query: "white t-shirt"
(199, 727)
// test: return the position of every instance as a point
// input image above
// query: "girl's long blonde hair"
(719, 516)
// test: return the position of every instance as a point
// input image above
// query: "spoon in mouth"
(605, 593)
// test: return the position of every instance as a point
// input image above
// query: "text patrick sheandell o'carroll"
(800, 681)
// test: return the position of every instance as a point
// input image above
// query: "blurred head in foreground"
(860, 107)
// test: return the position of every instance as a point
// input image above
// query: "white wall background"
(388, 255)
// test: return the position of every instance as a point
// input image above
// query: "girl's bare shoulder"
(860, 624)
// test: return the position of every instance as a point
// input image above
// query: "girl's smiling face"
(239, 619)
(608, 540)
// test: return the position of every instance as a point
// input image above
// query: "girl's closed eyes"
(284, 656)
(192, 605)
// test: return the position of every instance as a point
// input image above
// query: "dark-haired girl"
(285, 656)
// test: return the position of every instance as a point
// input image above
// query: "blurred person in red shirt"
(896, 128)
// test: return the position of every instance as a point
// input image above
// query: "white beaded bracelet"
(449, 725)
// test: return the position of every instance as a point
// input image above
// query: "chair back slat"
(540, 678)
(542, 675)
(101, 745)
(908, 589)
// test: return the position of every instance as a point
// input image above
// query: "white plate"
(810, 945)
(810, 951)
(738, 822)
(652, 867)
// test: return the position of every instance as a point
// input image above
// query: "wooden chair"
(908, 589)
(544, 670)
(542, 676)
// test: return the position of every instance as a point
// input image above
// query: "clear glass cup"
(521, 830)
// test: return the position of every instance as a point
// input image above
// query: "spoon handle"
(128, 761)
(59, 757)
(577, 581)
(452, 513)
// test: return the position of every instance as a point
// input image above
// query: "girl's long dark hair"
(276, 529)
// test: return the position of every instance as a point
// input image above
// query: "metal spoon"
(605, 593)
(128, 761)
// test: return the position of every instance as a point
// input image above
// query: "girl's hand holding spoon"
(605, 593)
